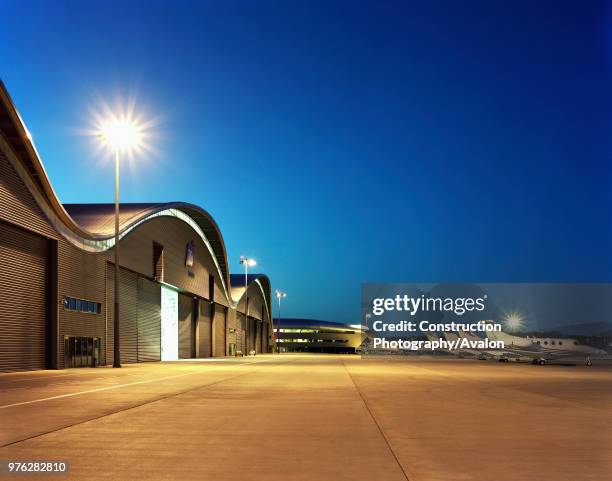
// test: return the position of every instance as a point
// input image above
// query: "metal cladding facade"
(57, 275)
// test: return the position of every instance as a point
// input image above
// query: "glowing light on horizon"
(514, 320)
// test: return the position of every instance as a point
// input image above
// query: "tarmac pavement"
(312, 417)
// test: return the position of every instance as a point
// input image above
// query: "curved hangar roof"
(99, 221)
(238, 290)
(91, 226)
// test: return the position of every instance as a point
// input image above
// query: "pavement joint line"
(135, 406)
(380, 429)
(5, 377)
(113, 387)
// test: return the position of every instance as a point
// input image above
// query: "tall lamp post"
(246, 262)
(279, 295)
(120, 135)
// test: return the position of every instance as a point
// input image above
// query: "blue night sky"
(341, 143)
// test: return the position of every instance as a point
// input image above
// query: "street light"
(119, 134)
(247, 263)
(279, 295)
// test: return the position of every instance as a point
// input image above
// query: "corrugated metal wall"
(185, 321)
(220, 330)
(259, 341)
(18, 204)
(265, 337)
(204, 326)
(149, 320)
(81, 275)
(173, 234)
(23, 299)
(252, 334)
(128, 312)
(240, 332)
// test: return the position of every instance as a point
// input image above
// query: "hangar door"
(128, 311)
(257, 332)
(241, 332)
(204, 330)
(220, 330)
(252, 334)
(149, 320)
(139, 317)
(23, 299)
(186, 336)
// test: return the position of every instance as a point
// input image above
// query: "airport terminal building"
(177, 297)
(309, 335)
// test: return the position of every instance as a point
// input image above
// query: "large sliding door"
(240, 332)
(252, 333)
(23, 299)
(128, 314)
(204, 329)
(260, 336)
(149, 321)
(220, 330)
(169, 324)
(265, 339)
(139, 317)
(185, 326)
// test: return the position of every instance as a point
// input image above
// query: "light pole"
(279, 296)
(247, 263)
(119, 135)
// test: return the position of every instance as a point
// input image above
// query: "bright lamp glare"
(514, 321)
(120, 128)
(248, 262)
(121, 134)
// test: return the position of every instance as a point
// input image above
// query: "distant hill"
(587, 329)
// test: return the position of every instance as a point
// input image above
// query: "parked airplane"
(502, 355)
(543, 349)
(538, 350)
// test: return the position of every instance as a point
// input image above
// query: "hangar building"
(309, 335)
(177, 297)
